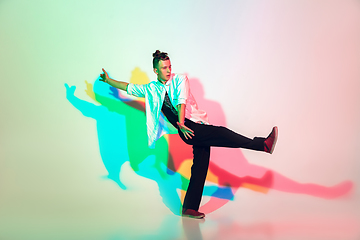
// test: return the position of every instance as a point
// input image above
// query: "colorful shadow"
(121, 127)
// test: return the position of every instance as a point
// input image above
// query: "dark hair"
(157, 56)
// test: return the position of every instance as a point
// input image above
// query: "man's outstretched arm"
(118, 84)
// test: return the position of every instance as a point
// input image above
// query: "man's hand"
(104, 77)
(188, 133)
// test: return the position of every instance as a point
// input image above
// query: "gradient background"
(294, 64)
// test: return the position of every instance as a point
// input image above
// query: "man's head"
(162, 65)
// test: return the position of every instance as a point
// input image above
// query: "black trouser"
(204, 137)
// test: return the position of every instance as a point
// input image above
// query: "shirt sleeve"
(137, 90)
(182, 91)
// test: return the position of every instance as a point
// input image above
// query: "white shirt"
(178, 90)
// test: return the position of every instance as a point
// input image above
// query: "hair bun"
(156, 54)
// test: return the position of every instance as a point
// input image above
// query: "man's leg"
(217, 136)
(197, 180)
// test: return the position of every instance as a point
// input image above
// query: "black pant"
(204, 137)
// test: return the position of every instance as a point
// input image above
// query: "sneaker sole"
(195, 217)
(275, 140)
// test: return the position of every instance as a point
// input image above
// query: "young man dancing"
(171, 95)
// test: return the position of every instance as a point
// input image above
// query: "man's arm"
(188, 133)
(118, 84)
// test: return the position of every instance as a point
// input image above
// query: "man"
(171, 95)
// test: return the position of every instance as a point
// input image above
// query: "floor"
(98, 209)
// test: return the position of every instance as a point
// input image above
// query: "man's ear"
(156, 71)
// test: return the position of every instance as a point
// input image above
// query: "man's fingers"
(189, 135)
(184, 127)
(105, 73)
(189, 130)
(102, 77)
(186, 134)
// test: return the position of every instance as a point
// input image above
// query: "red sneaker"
(270, 141)
(192, 214)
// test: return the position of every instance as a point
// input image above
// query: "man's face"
(163, 70)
